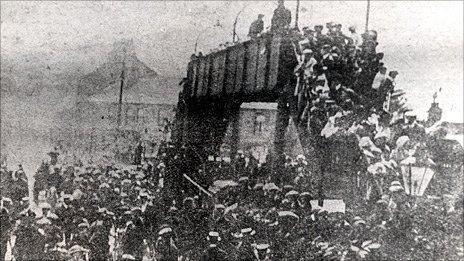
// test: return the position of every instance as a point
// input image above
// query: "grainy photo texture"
(232, 130)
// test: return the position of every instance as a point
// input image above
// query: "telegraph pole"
(297, 13)
(367, 14)
(234, 32)
(121, 88)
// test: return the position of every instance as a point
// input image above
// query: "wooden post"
(297, 12)
(367, 14)
(235, 137)
(121, 88)
(283, 114)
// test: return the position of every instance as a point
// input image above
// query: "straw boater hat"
(396, 186)
(213, 234)
(165, 229)
(307, 51)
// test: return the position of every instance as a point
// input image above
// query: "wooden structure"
(259, 70)
(218, 83)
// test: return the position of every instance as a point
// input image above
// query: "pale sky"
(421, 39)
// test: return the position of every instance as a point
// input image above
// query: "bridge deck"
(248, 71)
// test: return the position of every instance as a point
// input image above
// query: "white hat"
(128, 257)
(292, 193)
(365, 142)
(6, 199)
(262, 246)
(247, 230)
(213, 234)
(305, 51)
(77, 248)
(218, 206)
(104, 185)
(44, 221)
(401, 141)
(244, 178)
(385, 133)
(396, 186)
(44, 205)
(409, 114)
(164, 231)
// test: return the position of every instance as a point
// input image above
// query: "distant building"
(148, 109)
(257, 129)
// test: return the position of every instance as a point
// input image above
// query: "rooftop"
(147, 90)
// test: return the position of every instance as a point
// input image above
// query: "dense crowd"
(235, 208)
(129, 213)
(151, 212)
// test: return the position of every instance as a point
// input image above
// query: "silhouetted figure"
(256, 27)
(53, 156)
(281, 19)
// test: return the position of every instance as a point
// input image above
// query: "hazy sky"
(421, 39)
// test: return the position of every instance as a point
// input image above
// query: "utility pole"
(234, 33)
(121, 88)
(367, 14)
(196, 43)
(297, 13)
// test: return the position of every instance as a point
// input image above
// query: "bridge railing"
(249, 68)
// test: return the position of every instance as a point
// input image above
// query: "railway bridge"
(258, 70)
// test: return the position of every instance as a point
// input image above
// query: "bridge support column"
(235, 135)
(282, 119)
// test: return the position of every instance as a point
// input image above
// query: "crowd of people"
(130, 213)
(151, 212)
(231, 208)
(335, 71)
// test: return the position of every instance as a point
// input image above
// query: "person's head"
(397, 192)
(213, 237)
(318, 28)
(165, 232)
(352, 29)
(260, 16)
(280, 2)
(383, 70)
(189, 203)
(219, 209)
(45, 208)
(263, 250)
(330, 26)
(308, 53)
(393, 74)
(380, 56)
(304, 200)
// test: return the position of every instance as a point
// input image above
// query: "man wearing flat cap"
(256, 27)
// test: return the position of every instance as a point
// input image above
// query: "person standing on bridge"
(256, 27)
(281, 19)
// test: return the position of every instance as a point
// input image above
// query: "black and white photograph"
(232, 130)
